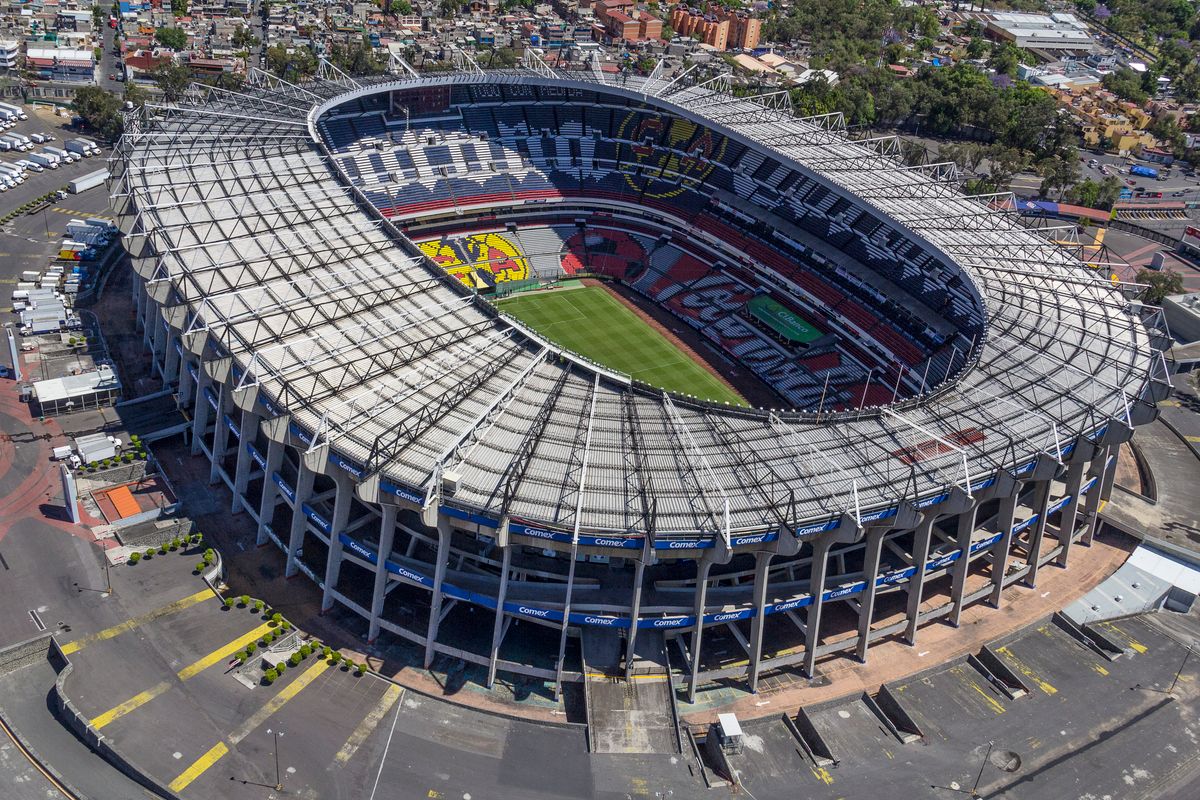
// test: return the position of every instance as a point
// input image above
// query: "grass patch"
(594, 324)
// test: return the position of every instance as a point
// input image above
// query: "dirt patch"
(737, 378)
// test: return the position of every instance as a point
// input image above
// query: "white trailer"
(89, 181)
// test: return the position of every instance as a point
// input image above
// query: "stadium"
(564, 371)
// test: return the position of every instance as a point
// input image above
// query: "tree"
(1125, 84)
(243, 39)
(179, 8)
(173, 38)
(1005, 59)
(356, 59)
(295, 66)
(1058, 173)
(100, 110)
(977, 47)
(172, 80)
(134, 558)
(1159, 284)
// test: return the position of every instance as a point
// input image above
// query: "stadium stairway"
(634, 714)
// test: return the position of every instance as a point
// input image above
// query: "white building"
(1058, 32)
(10, 53)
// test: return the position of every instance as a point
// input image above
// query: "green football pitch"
(594, 324)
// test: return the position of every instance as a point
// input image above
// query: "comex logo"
(533, 612)
(608, 542)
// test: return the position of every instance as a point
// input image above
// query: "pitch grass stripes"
(596, 325)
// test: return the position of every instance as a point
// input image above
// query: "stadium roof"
(324, 311)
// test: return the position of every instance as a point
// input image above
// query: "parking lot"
(1086, 721)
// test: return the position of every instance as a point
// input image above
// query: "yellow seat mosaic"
(480, 260)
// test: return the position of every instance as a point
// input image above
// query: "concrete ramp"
(634, 714)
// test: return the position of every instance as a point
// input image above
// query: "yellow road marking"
(198, 767)
(279, 701)
(221, 653)
(1026, 670)
(822, 775)
(368, 724)
(1099, 669)
(184, 674)
(130, 624)
(991, 701)
(1193, 438)
(137, 700)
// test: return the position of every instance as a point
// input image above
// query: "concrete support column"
(866, 608)
(387, 535)
(635, 609)
(1041, 503)
(341, 515)
(1066, 527)
(1110, 473)
(245, 462)
(702, 569)
(439, 575)
(916, 583)
(1092, 503)
(270, 492)
(138, 287)
(158, 339)
(171, 361)
(220, 434)
(146, 314)
(187, 385)
(1001, 551)
(762, 561)
(962, 567)
(498, 624)
(201, 411)
(816, 587)
(304, 485)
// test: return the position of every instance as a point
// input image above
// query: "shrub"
(335, 657)
(305, 651)
(326, 652)
(128, 458)
(245, 600)
(176, 543)
(162, 549)
(134, 558)
(269, 676)
(229, 602)
(200, 566)
(287, 626)
(148, 554)
(92, 465)
(295, 659)
(359, 670)
(258, 605)
(196, 537)
(276, 618)
(250, 648)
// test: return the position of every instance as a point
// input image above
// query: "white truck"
(47, 160)
(97, 447)
(14, 109)
(29, 165)
(81, 146)
(63, 155)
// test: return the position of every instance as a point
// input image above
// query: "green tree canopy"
(100, 110)
(1160, 284)
(172, 80)
(174, 38)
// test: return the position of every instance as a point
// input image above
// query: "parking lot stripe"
(279, 701)
(133, 622)
(129, 705)
(198, 767)
(223, 652)
(368, 724)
